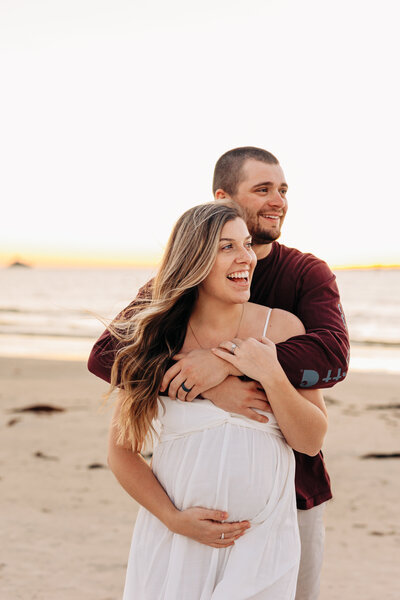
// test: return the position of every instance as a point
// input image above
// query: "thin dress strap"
(266, 322)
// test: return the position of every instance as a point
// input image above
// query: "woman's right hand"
(255, 358)
(206, 526)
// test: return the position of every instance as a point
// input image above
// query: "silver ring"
(185, 389)
(222, 536)
(233, 348)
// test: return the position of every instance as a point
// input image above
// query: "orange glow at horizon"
(148, 261)
(365, 267)
(64, 260)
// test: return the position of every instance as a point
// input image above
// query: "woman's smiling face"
(229, 279)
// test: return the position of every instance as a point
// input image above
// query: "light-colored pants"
(312, 535)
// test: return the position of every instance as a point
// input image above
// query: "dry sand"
(66, 527)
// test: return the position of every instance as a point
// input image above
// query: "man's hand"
(199, 370)
(206, 527)
(240, 397)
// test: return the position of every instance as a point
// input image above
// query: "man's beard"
(259, 235)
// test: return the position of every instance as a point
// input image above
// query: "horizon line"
(150, 262)
(365, 267)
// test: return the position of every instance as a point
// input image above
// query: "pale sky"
(113, 114)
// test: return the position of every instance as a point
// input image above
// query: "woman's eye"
(249, 244)
(227, 247)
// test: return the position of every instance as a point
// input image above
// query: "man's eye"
(284, 192)
(264, 190)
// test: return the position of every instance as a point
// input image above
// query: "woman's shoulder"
(284, 325)
(281, 324)
(257, 314)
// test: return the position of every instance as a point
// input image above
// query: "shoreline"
(365, 358)
(69, 523)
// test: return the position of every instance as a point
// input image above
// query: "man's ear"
(221, 195)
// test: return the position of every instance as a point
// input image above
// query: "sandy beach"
(67, 524)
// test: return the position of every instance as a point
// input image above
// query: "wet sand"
(68, 523)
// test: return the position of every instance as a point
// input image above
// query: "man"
(284, 278)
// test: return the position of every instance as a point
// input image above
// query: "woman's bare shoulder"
(284, 325)
(255, 318)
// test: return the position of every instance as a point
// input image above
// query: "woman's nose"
(244, 256)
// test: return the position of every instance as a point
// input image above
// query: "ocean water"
(55, 313)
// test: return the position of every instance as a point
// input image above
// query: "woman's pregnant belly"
(211, 459)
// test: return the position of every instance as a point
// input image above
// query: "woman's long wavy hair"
(149, 338)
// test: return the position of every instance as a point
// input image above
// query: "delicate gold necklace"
(236, 334)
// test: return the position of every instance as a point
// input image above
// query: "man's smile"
(270, 217)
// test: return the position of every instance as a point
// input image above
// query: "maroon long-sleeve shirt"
(305, 286)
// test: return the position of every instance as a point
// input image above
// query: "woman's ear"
(221, 195)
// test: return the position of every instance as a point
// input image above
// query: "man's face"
(262, 195)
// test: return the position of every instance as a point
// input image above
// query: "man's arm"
(240, 396)
(318, 359)
(101, 358)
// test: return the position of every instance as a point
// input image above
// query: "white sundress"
(210, 458)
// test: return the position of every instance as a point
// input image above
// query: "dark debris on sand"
(39, 409)
(40, 454)
(382, 455)
(383, 406)
(329, 401)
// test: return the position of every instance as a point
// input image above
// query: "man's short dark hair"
(229, 167)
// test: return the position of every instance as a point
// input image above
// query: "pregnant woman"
(208, 463)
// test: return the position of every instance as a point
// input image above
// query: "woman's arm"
(137, 478)
(301, 415)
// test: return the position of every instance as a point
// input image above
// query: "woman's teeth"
(239, 275)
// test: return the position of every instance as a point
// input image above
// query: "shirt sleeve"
(102, 356)
(318, 359)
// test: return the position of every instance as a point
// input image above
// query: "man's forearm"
(102, 356)
(315, 360)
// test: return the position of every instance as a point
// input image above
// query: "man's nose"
(276, 199)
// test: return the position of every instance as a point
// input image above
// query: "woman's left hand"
(256, 359)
